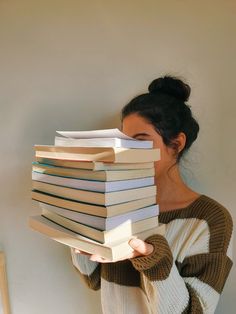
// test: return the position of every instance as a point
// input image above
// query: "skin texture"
(173, 193)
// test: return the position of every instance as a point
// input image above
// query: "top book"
(99, 138)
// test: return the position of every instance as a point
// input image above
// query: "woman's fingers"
(81, 252)
(99, 259)
(141, 247)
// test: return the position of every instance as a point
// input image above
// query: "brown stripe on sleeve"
(194, 305)
(158, 264)
(217, 217)
(122, 273)
(211, 268)
(93, 281)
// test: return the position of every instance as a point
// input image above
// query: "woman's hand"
(140, 248)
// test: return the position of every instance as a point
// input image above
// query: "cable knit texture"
(158, 264)
(185, 273)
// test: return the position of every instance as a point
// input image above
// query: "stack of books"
(96, 190)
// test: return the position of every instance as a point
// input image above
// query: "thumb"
(141, 247)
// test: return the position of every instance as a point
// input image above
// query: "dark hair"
(166, 109)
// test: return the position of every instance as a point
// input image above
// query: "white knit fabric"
(186, 237)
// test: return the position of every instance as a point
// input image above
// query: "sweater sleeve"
(192, 284)
(89, 270)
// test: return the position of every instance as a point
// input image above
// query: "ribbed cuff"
(157, 265)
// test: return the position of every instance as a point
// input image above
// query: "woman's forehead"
(136, 123)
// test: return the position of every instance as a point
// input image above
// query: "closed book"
(105, 154)
(102, 133)
(102, 142)
(104, 223)
(93, 209)
(110, 198)
(94, 165)
(92, 185)
(102, 175)
(112, 252)
(123, 231)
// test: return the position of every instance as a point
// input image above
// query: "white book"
(100, 138)
(91, 185)
(104, 223)
(105, 133)
(102, 142)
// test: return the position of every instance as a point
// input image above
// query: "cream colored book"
(94, 165)
(123, 231)
(113, 251)
(93, 209)
(110, 198)
(105, 154)
(93, 185)
(104, 223)
(102, 175)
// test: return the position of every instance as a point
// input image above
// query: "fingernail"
(135, 242)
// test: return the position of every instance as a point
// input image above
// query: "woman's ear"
(180, 141)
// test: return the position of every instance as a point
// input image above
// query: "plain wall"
(72, 65)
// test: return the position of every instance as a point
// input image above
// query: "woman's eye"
(141, 139)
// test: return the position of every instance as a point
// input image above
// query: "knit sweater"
(185, 273)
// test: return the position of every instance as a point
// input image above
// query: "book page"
(106, 133)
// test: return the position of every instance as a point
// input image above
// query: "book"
(94, 165)
(105, 154)
(104, 223)
(112, 252)
(104, 133)
(92, 185)
(102, 175)
(93, 209)
(123, 231)
(110, 198)
(102, 142)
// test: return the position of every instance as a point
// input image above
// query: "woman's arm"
(185, 271)
(193, 286)
(89, 270)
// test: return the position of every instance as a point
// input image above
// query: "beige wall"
(72, 65)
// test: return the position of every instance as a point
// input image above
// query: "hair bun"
(171, 86)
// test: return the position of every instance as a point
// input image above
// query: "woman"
(185, 270)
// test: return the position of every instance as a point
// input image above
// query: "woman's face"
(139, 128)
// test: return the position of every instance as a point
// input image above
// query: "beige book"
(93, 209)
(110, 175)
(92, 197)
(104, 223)
(105, 154)
(113, 251)
(123, 231)
(94, 165)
